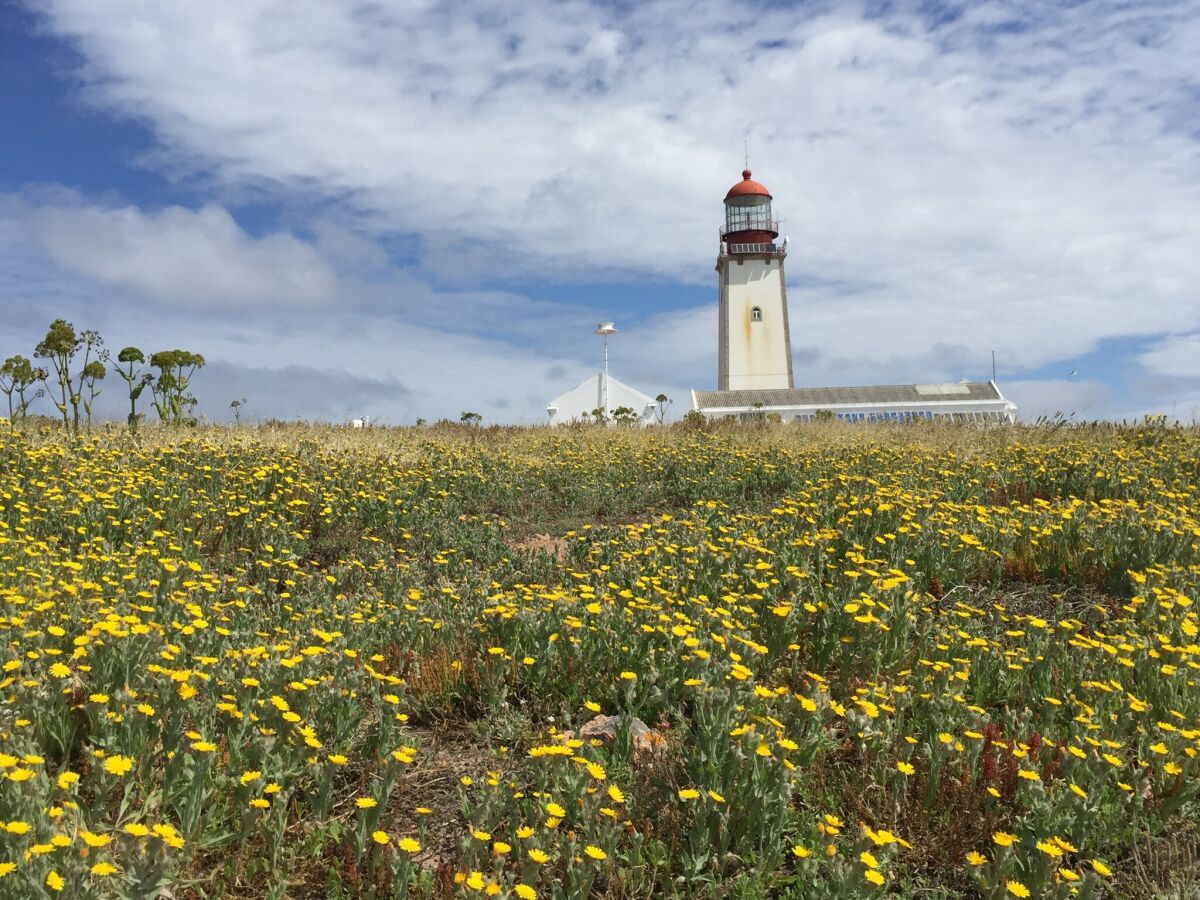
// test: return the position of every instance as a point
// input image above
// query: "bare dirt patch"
(434, 785)
(543, 543)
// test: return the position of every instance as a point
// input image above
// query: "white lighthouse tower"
(754, 344)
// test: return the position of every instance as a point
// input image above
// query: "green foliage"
(236, 406)
(17, 376)
(624, 415)
(90, 377)
(73, 382)
(172, 401)
(135, 378)
(91, 373)
(663, 402)
(59, 346)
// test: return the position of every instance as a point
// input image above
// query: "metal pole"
(606, 412)
(993, 366)
(604, 329)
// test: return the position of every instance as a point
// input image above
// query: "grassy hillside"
(305, 662)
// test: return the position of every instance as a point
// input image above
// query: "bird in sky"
(1072, 373)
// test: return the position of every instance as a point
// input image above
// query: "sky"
(406, 209)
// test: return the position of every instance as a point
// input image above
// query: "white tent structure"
(600, 392)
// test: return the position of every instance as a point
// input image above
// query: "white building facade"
(979, 402)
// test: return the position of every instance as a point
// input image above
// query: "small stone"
(642, 736)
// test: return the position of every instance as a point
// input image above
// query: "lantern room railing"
(771, 249)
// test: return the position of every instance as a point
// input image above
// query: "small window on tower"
(756, 314)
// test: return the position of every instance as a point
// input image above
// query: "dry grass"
(411, 442)
(1165, 866)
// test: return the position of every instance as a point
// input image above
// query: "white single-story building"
(601, 392)
(963, 401)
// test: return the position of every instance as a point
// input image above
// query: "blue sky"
(410, 209)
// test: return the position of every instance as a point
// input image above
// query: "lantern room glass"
(748, 213)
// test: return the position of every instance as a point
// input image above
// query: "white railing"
(736, 249)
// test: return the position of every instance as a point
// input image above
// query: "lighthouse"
(753, 341)
(754, 347)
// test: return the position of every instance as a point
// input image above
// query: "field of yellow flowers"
(303, 662)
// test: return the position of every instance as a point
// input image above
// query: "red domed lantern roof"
(747, 186)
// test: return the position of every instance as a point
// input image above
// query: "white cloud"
(348, 248)
(1009, 176)
(1177, 356)
(184, 257)
(1079, 401)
